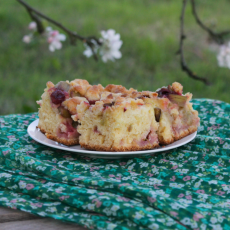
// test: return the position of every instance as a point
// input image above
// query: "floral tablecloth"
(187, 187)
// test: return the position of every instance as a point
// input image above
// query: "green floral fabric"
(184, 188)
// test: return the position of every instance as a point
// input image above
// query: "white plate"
(38, 136)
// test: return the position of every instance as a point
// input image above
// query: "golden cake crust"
(60, 140)
(117, 149)
(94, 92)
(79, 87)
(119, 89)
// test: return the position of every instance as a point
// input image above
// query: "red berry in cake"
(58, 96)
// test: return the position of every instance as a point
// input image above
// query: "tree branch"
(35, 14)
(40, 26)
(217, 37)
(184, 66)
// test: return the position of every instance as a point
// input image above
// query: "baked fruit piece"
(173, 111)
(117, 124)
(58, 109)
(54, 119)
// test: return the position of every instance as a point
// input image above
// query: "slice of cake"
(57, 112)
(54, 119)
(117, 124)
(178, 119)
(173, 111)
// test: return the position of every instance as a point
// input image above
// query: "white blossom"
(216, 227)
(153, 226)
(138, 216)
(51, 209)
(22, 184)
(109, 50)
(27, 39)
(32, 26)
(213, 182)
(223, 56)
(111, 44)
(91, 206)
(54, 38)
(41, 213)
(88, 52)
(5, 175)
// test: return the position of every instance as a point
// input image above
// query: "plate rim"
(82, 151)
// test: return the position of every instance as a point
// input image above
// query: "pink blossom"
(5, 152)
(165, 160)
(150, 174)
(37, 204)
(54, 38)
(189, 197)
(181, 195)
(220, 193)
(29, 186)
(111, 175)
(27, 39)
(97, 202)
(124, 198)
(221, 141)
(186, 178)
(30, 152)
(32, 26)
(122, 163)
(151, 200)
(124, 184)
(63, 197)
(173, 213)
(173, 178)
(155, 186)
(175, 167)
(200, 191)
(214, 127)
(13, 201)
(77, 179)
(197, 216)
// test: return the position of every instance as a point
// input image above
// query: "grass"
(149, 30)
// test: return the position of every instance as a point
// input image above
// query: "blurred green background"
(149, 30)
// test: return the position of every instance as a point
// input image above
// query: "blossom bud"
(32, 26)
(26, 39)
